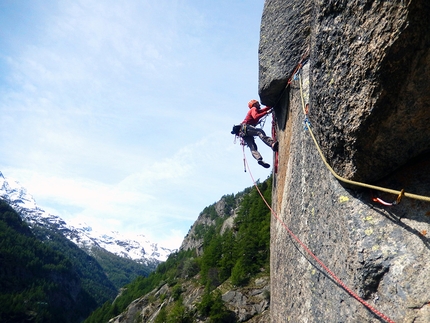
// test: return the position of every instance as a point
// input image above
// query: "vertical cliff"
(366, 79)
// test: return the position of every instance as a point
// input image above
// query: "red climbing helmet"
(251, 103)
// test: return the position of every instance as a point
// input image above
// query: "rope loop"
(400, 194)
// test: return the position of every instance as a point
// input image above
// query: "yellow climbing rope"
(399, 194)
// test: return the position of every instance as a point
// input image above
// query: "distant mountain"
(221, 273)
(33, 242)
(138, 248)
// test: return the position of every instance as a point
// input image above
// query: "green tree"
(219, 312)
(37, 282)
(176, 292)
(179, 314)
(210, 261)
(239, 275)
(228, 256)
(213, 307)
(162, 316)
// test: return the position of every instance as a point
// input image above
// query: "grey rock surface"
(370, 81)
(367, 83)
(379, 252)
(370, 85)
(281, 44)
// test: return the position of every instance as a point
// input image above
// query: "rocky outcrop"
(249, 304)
(367, 85)
(194, 238)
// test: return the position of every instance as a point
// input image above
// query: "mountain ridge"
(136, 248)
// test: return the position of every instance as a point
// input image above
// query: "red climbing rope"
(346, 288)
(275, 162)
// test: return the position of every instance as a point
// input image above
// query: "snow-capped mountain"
(137, 248)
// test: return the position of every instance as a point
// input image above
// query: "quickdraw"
(396, 202)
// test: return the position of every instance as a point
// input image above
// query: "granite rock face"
(370, 72)
(281, 45)
(367, 86)
(370, 85)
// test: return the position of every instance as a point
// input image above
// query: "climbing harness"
(240, 131)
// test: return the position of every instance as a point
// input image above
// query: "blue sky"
(118, 113)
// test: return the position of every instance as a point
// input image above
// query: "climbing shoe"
(275, 146)
(262, 163)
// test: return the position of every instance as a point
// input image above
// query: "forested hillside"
(189, 286)
(44, 277)
(37, 283)
(103, 273)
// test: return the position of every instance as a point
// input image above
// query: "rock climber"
(249, 129)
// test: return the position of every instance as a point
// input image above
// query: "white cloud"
(119, 113)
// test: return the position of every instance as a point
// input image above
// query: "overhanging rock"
(370, 84)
